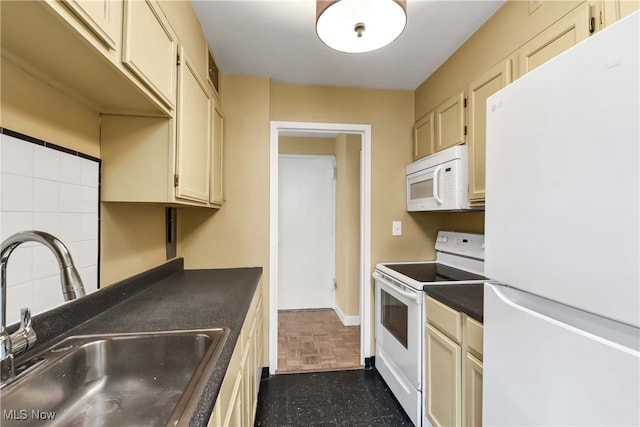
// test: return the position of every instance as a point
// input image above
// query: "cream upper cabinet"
(565, 33)
(450, 122)
(150, 48)
(193, 122)
(478, 91)
(423, 136)
(441, 128)
(103, 17)
(216, 190)
(613, 10)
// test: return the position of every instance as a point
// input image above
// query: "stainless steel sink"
(142, 379)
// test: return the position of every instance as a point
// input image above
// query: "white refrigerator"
(562, 239)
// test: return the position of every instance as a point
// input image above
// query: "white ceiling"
(277, 39)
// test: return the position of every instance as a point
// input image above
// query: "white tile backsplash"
(17, 193)
(47, 195)
(70, 169)
(47, 164)
(17, 156)
(48, 190)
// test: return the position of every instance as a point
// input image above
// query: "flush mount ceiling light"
(356, 26)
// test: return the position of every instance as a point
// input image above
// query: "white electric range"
(400, 313)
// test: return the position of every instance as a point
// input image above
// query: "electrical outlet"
(396, 228)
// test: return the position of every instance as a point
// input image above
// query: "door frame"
(333, 211)
(321, 129)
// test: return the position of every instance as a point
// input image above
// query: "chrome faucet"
(25, 336)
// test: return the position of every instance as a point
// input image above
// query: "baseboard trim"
(369, 363)
(346, 320)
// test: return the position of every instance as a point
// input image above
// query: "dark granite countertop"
(468, 299)
(165, 298)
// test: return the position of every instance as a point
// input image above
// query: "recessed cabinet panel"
(479, 90)
(450, 122)
(150, 48)
(565, 33)
(103, 17)
(443, 398)
(424, 136)
(473, 392)
(217, 152)
(193, 134)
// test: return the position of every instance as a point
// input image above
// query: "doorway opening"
(339, 311)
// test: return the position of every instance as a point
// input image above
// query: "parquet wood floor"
(316, 340)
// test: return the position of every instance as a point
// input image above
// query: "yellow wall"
(390, 114)
(238, 234)
(132, 236)
(306, 145)
(348, 224)
(508, 29)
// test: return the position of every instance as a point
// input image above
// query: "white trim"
(364, 130)
(346, 320)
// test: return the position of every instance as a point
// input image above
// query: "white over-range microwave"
(439, 182)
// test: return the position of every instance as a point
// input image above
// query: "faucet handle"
(25, 336)
(25, 318)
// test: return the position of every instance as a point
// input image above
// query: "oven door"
(399, 327)
(399, 348)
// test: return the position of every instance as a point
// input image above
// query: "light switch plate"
(396, 228)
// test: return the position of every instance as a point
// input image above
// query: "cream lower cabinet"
(238, 396)
(453, 366)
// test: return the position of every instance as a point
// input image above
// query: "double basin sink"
(139, 379)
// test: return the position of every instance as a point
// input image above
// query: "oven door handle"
(415, 296)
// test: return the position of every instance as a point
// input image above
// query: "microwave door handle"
(436, 184)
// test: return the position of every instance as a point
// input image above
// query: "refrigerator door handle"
(608, 332)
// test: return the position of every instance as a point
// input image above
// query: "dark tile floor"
(344, 398)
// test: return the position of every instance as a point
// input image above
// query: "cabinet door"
(101, 16)
(443, 377)
(150, 48)
(479, 90)
(450, 125)
(423, 137)
(217, 150)
(613, 10)
(236, 404)
(473, 392)
(559, 37)
(193, 134)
